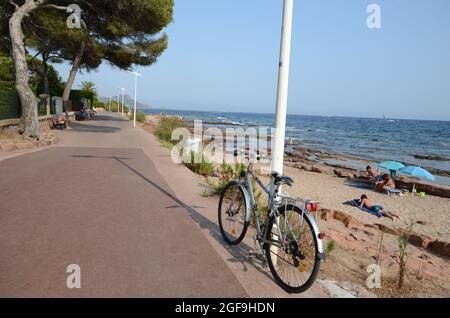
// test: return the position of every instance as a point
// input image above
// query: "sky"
(223, 55)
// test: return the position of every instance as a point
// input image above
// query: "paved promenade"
(109, 199)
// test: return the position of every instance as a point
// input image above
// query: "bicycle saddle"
(282, 180)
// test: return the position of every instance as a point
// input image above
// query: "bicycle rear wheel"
(232, 213)
(295, 268)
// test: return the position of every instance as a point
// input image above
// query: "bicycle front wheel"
(295, 268)
(232, 213)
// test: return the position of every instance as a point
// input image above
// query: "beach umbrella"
(392, 166)
(418, 172)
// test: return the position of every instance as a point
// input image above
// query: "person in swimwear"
(386, 183)
(370, 205)
(373, 174)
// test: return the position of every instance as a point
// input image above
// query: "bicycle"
(288, 233)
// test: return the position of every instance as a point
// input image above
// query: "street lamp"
(110, 101)
(282, 94)
(123, 99)
(136, 75)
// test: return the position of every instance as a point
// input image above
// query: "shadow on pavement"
(240, 253)
(93, 129)
(110, 118)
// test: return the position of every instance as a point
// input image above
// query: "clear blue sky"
(223, 56)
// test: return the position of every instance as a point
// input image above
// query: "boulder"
(419, 240)
(389, 230)
(440, 248)
(343, 174)
(306, 167)
(321, 169)
(326, 214)
(421, 186)
(340, 216)
(351, 222)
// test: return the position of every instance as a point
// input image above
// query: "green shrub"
(202, 168)
(99, 104)
(331, 246)
(77, 95)
(140, 116)
(114, 107)
(9, 105)
(166, 127)
(9, 86)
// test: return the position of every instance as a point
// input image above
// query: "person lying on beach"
(385, 184)
(368, 204)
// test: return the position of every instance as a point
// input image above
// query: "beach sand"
(428, 273)
(333, 192)
(358, 247)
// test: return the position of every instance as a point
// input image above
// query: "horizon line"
(292, 114)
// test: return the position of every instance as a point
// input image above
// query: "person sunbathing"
(385, 184)
(368, 204)
(373, 174)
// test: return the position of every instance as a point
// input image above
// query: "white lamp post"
(282, 95)
(136, 75)
(110, 102)
(278, 146)
(123, 99)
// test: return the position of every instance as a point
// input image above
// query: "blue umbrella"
(418, 172)
(392, 166)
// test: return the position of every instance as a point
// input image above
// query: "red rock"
(342, 174)
(419, 240)
(440, 248)
(340, 216)
(321, 169)
(326, 214)
(306, 167)
(351, 222)
(389, 230)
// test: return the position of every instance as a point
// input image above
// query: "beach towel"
(393, 191)
(357, 204)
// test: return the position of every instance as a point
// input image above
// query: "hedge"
(78, 95)
(9, 105)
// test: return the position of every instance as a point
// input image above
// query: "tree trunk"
(29, 124)
(46, 83)
(73, 72)
(45, 74)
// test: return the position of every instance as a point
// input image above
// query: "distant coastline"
(351, 142)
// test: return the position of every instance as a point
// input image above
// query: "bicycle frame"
(248, 191)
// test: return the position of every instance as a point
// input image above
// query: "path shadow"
(359, 185)
(240, 253)
(109, 118)
(78, 127)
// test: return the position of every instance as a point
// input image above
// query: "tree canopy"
(124, 33)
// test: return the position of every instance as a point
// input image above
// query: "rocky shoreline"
(318, 161)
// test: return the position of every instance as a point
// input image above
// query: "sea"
(372, 140)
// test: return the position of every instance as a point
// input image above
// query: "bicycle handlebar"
(258, 156)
